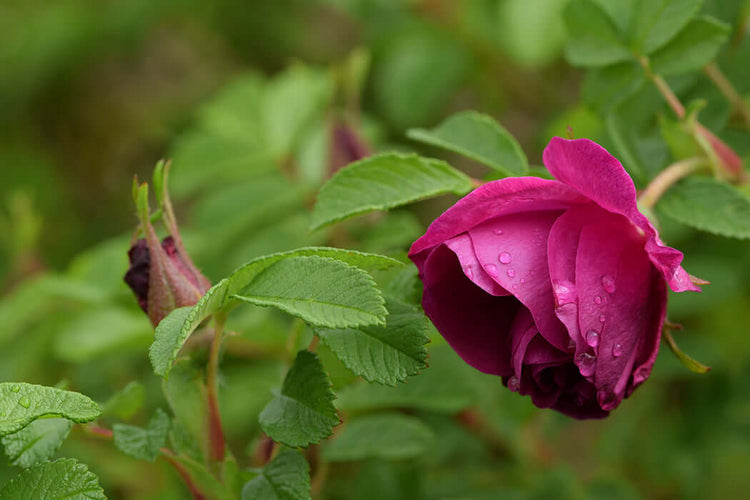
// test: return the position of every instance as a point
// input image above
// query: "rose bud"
(161, 274)
(346, 145)
(557, 286)
(164, 282)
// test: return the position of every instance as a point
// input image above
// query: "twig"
(217, 444)
(713, 72)
(666, 178)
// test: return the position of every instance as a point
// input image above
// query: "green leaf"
(291, 100)
(385, 354)
(125, 403)
(143, 444)
(389, 436)
(186, 395)
(101, 331)
(658, 21)
(605, 88)
(384, 181)
(695, 46)
(321, 291)
(709, 205)
(593, 38)
(690, 363)
(63, 479)
(21, 404)
(286, 477)
(170, 337)
(303, 412)
(36, 442)
(449, 386)
(201, 479)
(478, 137)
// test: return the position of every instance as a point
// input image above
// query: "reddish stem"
(194, 491)
(217, 443)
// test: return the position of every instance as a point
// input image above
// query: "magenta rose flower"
(557, 286)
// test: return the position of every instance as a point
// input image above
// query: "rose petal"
(513, 251)
(590, 169)
(562, 248)
(461, 245)
(494, 199)
(475, 323)
(614, 277)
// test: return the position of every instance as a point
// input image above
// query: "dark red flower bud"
(347, 145)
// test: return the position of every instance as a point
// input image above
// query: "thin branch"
(217, 444)
(713, 72)
(666, 178)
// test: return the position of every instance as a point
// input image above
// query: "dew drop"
(24, 401)
(608, 282)
(564, 292)
(15, 388)
(491, 270)
(602, 319)
(597, 300)
(514, 384)
(586, 363)
(505, 258)
(592, 338)
(498, 232)
(468, 272)
(510, 273)
(617, 350)
(523, 280)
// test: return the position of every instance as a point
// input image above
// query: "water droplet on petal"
(564, 292)
(498, 232)
(586, 363)
(15, 388)
(571, 345)
(597, 300)
(469, 272)
(505, 258)
(523, 280)
(592, 338)
(24, 401)
(617, 350)
(514, 384)
(602, 319)
(510, 273)
(491, 270)
(608, 282)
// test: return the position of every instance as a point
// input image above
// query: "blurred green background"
(243, 96)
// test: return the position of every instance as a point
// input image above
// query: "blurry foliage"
(242, 96)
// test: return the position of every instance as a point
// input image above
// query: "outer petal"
(475, 323)
(513, 251)
(494, 199)
(615, 278)
(592, 171)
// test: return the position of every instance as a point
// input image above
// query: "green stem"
(713, 72)
(217, 443)
(666, 178)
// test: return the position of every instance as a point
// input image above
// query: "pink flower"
(557, 286)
